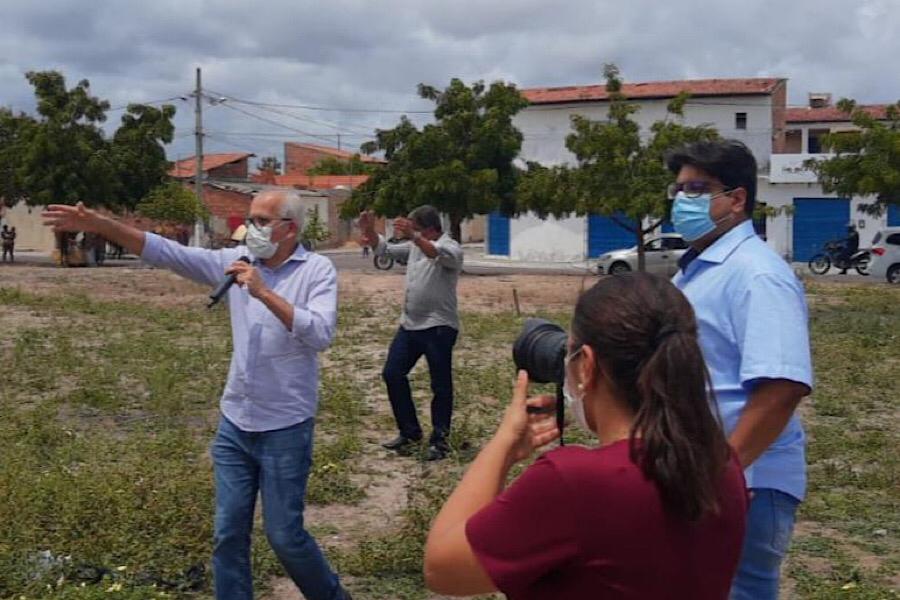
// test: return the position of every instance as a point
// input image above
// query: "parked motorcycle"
(834, 255)
(385, 262)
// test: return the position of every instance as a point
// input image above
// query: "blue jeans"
(436, 343)
(770, 524)
(276, 464)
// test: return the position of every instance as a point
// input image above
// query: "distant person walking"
(8, 236)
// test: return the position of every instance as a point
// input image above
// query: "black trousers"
(436, 343)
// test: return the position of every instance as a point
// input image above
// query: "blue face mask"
(690, 216)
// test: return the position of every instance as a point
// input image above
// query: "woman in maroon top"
(655, 510)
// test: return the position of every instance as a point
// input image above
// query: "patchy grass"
(109, 408)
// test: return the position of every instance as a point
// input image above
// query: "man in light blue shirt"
(283, 313)
(753, 329)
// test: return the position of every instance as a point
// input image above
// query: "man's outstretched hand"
(65, 218)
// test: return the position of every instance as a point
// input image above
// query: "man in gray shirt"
(429, 323)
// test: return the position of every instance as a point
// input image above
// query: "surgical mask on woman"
(575, 400)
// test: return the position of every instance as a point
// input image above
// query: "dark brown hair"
(644, 334)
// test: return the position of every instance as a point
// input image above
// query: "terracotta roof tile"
(187, 167)
(829, 114)
(655, 89)
(320, 182)
(337, 153)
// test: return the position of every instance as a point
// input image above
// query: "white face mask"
(259, 241)
(575, 402)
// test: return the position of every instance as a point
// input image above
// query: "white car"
(885, 260)
(661, 254)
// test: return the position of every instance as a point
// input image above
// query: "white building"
(815, 216)
(753, 111)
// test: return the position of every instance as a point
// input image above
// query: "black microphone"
(222, 289)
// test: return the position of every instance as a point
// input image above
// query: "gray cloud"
(354, 53)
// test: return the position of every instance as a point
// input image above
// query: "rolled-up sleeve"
(450, 253)
(772, 330)
(315, 321)
(197, 264)
(395, 251)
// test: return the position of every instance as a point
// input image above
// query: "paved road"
(352, 261)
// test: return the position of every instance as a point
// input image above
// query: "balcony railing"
(791, 168)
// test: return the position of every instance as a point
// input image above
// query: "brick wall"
(779, 100)
(298, 160)
(235, 170)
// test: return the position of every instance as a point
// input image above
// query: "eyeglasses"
(692, 189)
(571, 356)
(262, 221)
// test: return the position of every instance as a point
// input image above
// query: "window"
(815, 140)
(740, 120)
(893, 239)
(674, 243)
(653, 246)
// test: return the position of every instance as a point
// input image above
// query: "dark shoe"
(400, 443)
(436, 452)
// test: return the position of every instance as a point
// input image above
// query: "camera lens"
(540, 350)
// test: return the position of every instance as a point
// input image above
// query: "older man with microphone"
(283, 313)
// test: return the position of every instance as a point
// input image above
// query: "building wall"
(31, 234)
(298, 160)
(545, 127)
(534, 239)
(235, 170)
(473, 230)
(779, 229)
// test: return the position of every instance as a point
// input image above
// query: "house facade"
(753, 111)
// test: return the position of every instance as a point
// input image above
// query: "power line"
(330, 124)
(146, 102)
(327, 109)
(322, 136)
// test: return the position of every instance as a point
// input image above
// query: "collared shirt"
(753, 323)
(274, 374)
(430, 298)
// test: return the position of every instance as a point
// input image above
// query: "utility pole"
(339, 141)
(198, 156)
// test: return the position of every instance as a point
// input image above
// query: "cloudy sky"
(368, 56)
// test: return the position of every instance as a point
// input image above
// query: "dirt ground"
(384, 482)
(481, 293)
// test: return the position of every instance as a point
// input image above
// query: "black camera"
(541, 351)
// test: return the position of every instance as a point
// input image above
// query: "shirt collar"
(722, 248)
(300, 254)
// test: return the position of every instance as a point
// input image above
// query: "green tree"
(172, 202)
(270, 164)
(65, 157)
(618, 173)
(461, 164)
(331, 165)
(314, 230)
(14, 128)
(138, 152)
(867, 161)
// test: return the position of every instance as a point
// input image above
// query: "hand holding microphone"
(242, 273)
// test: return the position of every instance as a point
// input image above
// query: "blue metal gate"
(893, 219)
(604, 235)
(498, 234)
(816, 221)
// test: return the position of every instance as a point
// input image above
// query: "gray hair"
(292, 208)
(426, 216)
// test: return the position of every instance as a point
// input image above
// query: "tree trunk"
(456, 228)
(642, 260)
